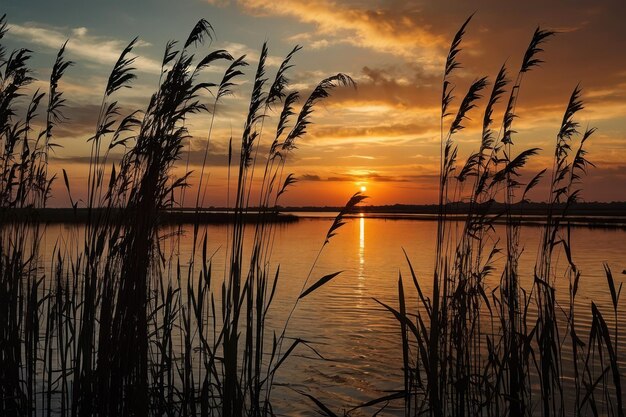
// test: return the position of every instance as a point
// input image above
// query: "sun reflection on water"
(361, 244)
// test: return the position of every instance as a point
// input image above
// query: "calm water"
(360, 341)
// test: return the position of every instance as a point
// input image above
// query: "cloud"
(396, 87)
(252, 55)
(219, 3)
(310, 177)
(81, 31)
(83, 159)
(320, 44)
(365, 176)
(395, 131)
(392, 30)
(96, 49)
(81, 121)
(358, 157)
(217, 156)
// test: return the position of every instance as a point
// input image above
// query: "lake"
(358, 339)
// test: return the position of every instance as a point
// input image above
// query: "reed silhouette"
(122, 327)
(116, 324)
(474, 350)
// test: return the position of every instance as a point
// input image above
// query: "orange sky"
(385, 134)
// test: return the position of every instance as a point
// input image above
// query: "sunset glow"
(259, 208)
(386, 131)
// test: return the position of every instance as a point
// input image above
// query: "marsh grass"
(474, 349)
(120, 325)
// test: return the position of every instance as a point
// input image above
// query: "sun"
(363, 188)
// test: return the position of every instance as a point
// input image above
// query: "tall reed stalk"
(474, 349)
(118, 327)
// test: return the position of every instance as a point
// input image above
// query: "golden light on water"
(361, 242)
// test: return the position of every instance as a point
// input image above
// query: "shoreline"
(288, 215)
(81, 215)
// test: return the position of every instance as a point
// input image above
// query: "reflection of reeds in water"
(120, 326)
(473, 350)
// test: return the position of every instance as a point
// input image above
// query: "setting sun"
(363, 188)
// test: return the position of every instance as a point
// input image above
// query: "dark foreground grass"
(474, 349)
(119, 324)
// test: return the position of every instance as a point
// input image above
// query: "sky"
(384, 135)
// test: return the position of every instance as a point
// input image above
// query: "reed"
(472, 348)
(119, 325)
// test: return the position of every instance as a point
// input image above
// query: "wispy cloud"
(252, 55)
(358, 157)
(219, 3)
(369, 176)
(82, 45)
(389, 30)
